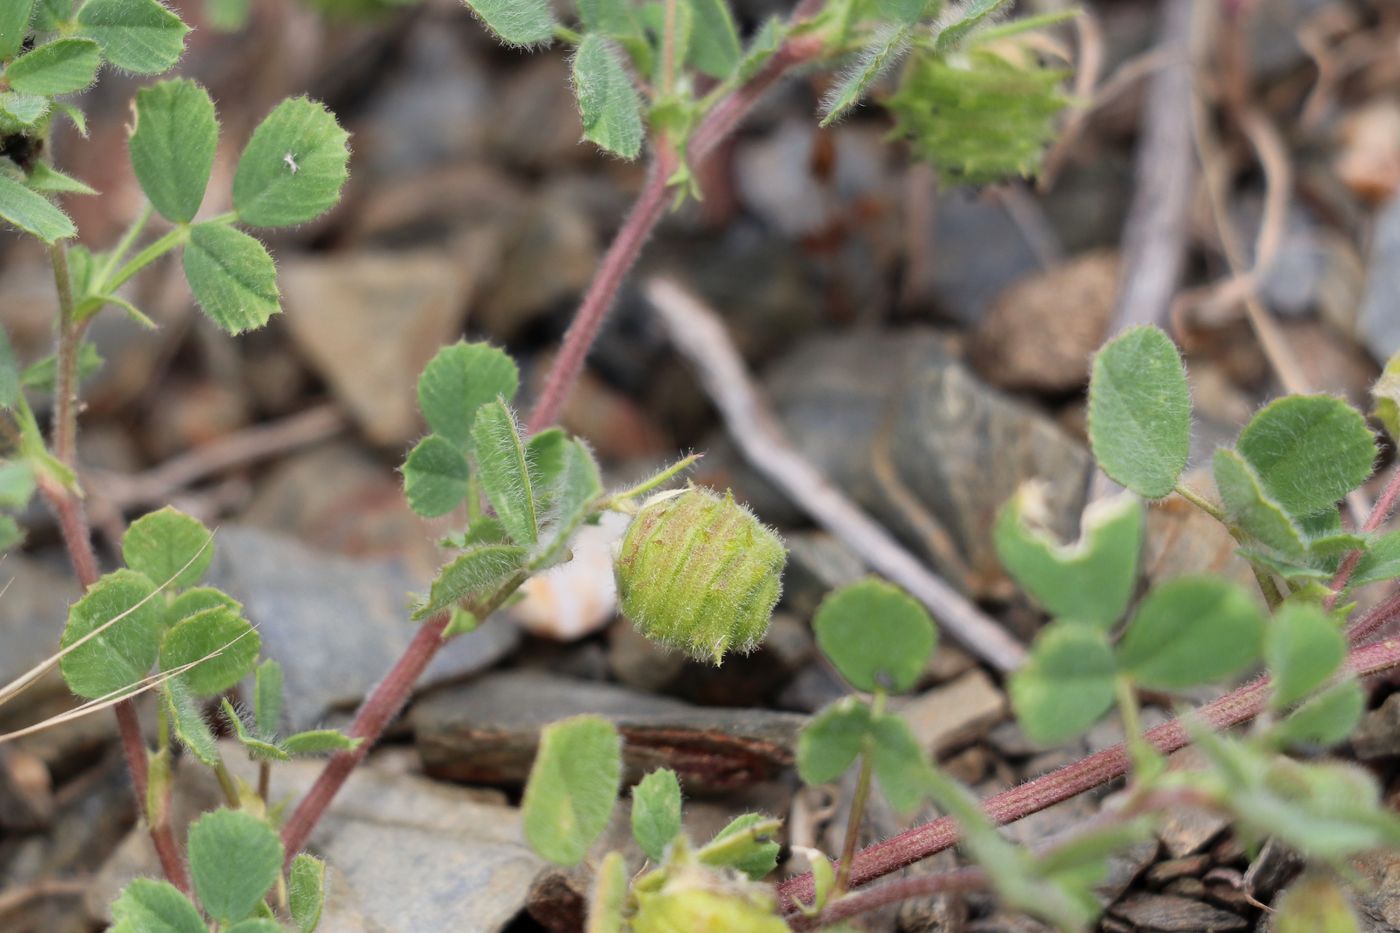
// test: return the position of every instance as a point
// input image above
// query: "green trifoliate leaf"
(1309, 451)
(902, 11)
(1190, 631)
(319, 742)
(199, 599)
(971, 16)
(1249, 507)
(306, 884)
(16, 483)
(123, 653)
(235, 859)
(260, 749)
(293, 167)
(1303, 649)
(1386, 395)
(1326, 719)
(516, 22)
(714, 41)
(168, 545)
(572, 788)
(460, 379)
(232, 277)
(32, 212)
(656, 812)
(267, 698)
(51, 15)
(226, 642)
(14, 26)
(435, 477)
(609, 897)
(1380, 562)
(148, 906)
(900, 765)
(746, 844)
(1089, 581)
(544, 452)
(878, 636)
(59, 67)
(887, 47)
(135, 35)
(505, 471)
(21, 112)
(762, 47)
(1067, 685)
(474, 575)
(699, 573)
(187, 719)
(611, 17)
(1314, 903)
(569, 497)
(256, 925)
(49, 180)
(607, 101)
(173, 140)
(10, 377)
(1140, 412)
(831, 741)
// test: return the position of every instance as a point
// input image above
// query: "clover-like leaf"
(745, 844)
(1190, 631)
(1327, 718)
(267, 698)
(123, 653)
(1303, 649)
(572, 787)
(504, 471)
(457, 381)
(232, 277)
(878, 636)
(173, 141)
(1309, 451)
(59, 67)
(968, 18)
(656, 812)
(14, 26)
(830, 742)
(609, 899)
(1249, 507)
(221, 644)
(235, 859)
(516, 22)
(888, 45)
(44, 177)
(714, 41)
(32, 212)
(136, 35)
(293, 167)
(1140, 411)
(306, 884)
(186, 715)
(899, 764)
(475, 574)
(1380, 562)
(435, 476)
(17, 483)
(149, 906)
(1091, 580)
(168, 545)
(1386, 395)
(1067, 685)
(569, 495)
(607, 101)
(259, 748)
(319, 742)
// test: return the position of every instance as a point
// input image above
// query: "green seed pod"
(699, 573)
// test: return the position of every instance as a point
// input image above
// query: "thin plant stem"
(65, 400)
(227, 785)
(858, 802)
(921, 842)
(894, 892)
(1201, 502)
(1379, 513)
(264, 780)
(150, 254)
(124, 245)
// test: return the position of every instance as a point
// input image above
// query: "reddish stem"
(894, 892)
(378, 710)
(1058, 786)
(1374, 618)
(1379, 513)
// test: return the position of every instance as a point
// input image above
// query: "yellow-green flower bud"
(700, 573)
(703, 902)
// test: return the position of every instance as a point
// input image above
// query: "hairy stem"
(867, 766)
(894, 892)
(646, 213)
(1379, 513)
(65, 393)
(895, 853)
(377, 711)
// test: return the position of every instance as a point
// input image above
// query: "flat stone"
(33, 613)
(405, 854)
(1190, 866)
(486, 732)
(1124, 867)
(1187, 830)
(966, 277)
(952, 715)
(1168, 913)
(1378, 734)
(335, 624)
(369, 321)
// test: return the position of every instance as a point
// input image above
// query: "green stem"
(147, 256)
(1138, 750)
(1201, 502)
(867, 765)
(227, 786)
(1267, 586)
(646, 486)
(668, 50)
(65, 400)
(565, 34)
(123, 246)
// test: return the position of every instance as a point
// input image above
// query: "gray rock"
(335, 624)
(817, 564)
(1378, 735)
(897, 423)
(1168, 913)
(1379, 323)
(954, 714)
(32, 615)
(966, 274)
(1377, 898)
(405, 854)
(486, 732)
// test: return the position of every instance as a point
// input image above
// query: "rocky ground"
(927, 349)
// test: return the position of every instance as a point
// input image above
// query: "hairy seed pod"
(699, 573)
